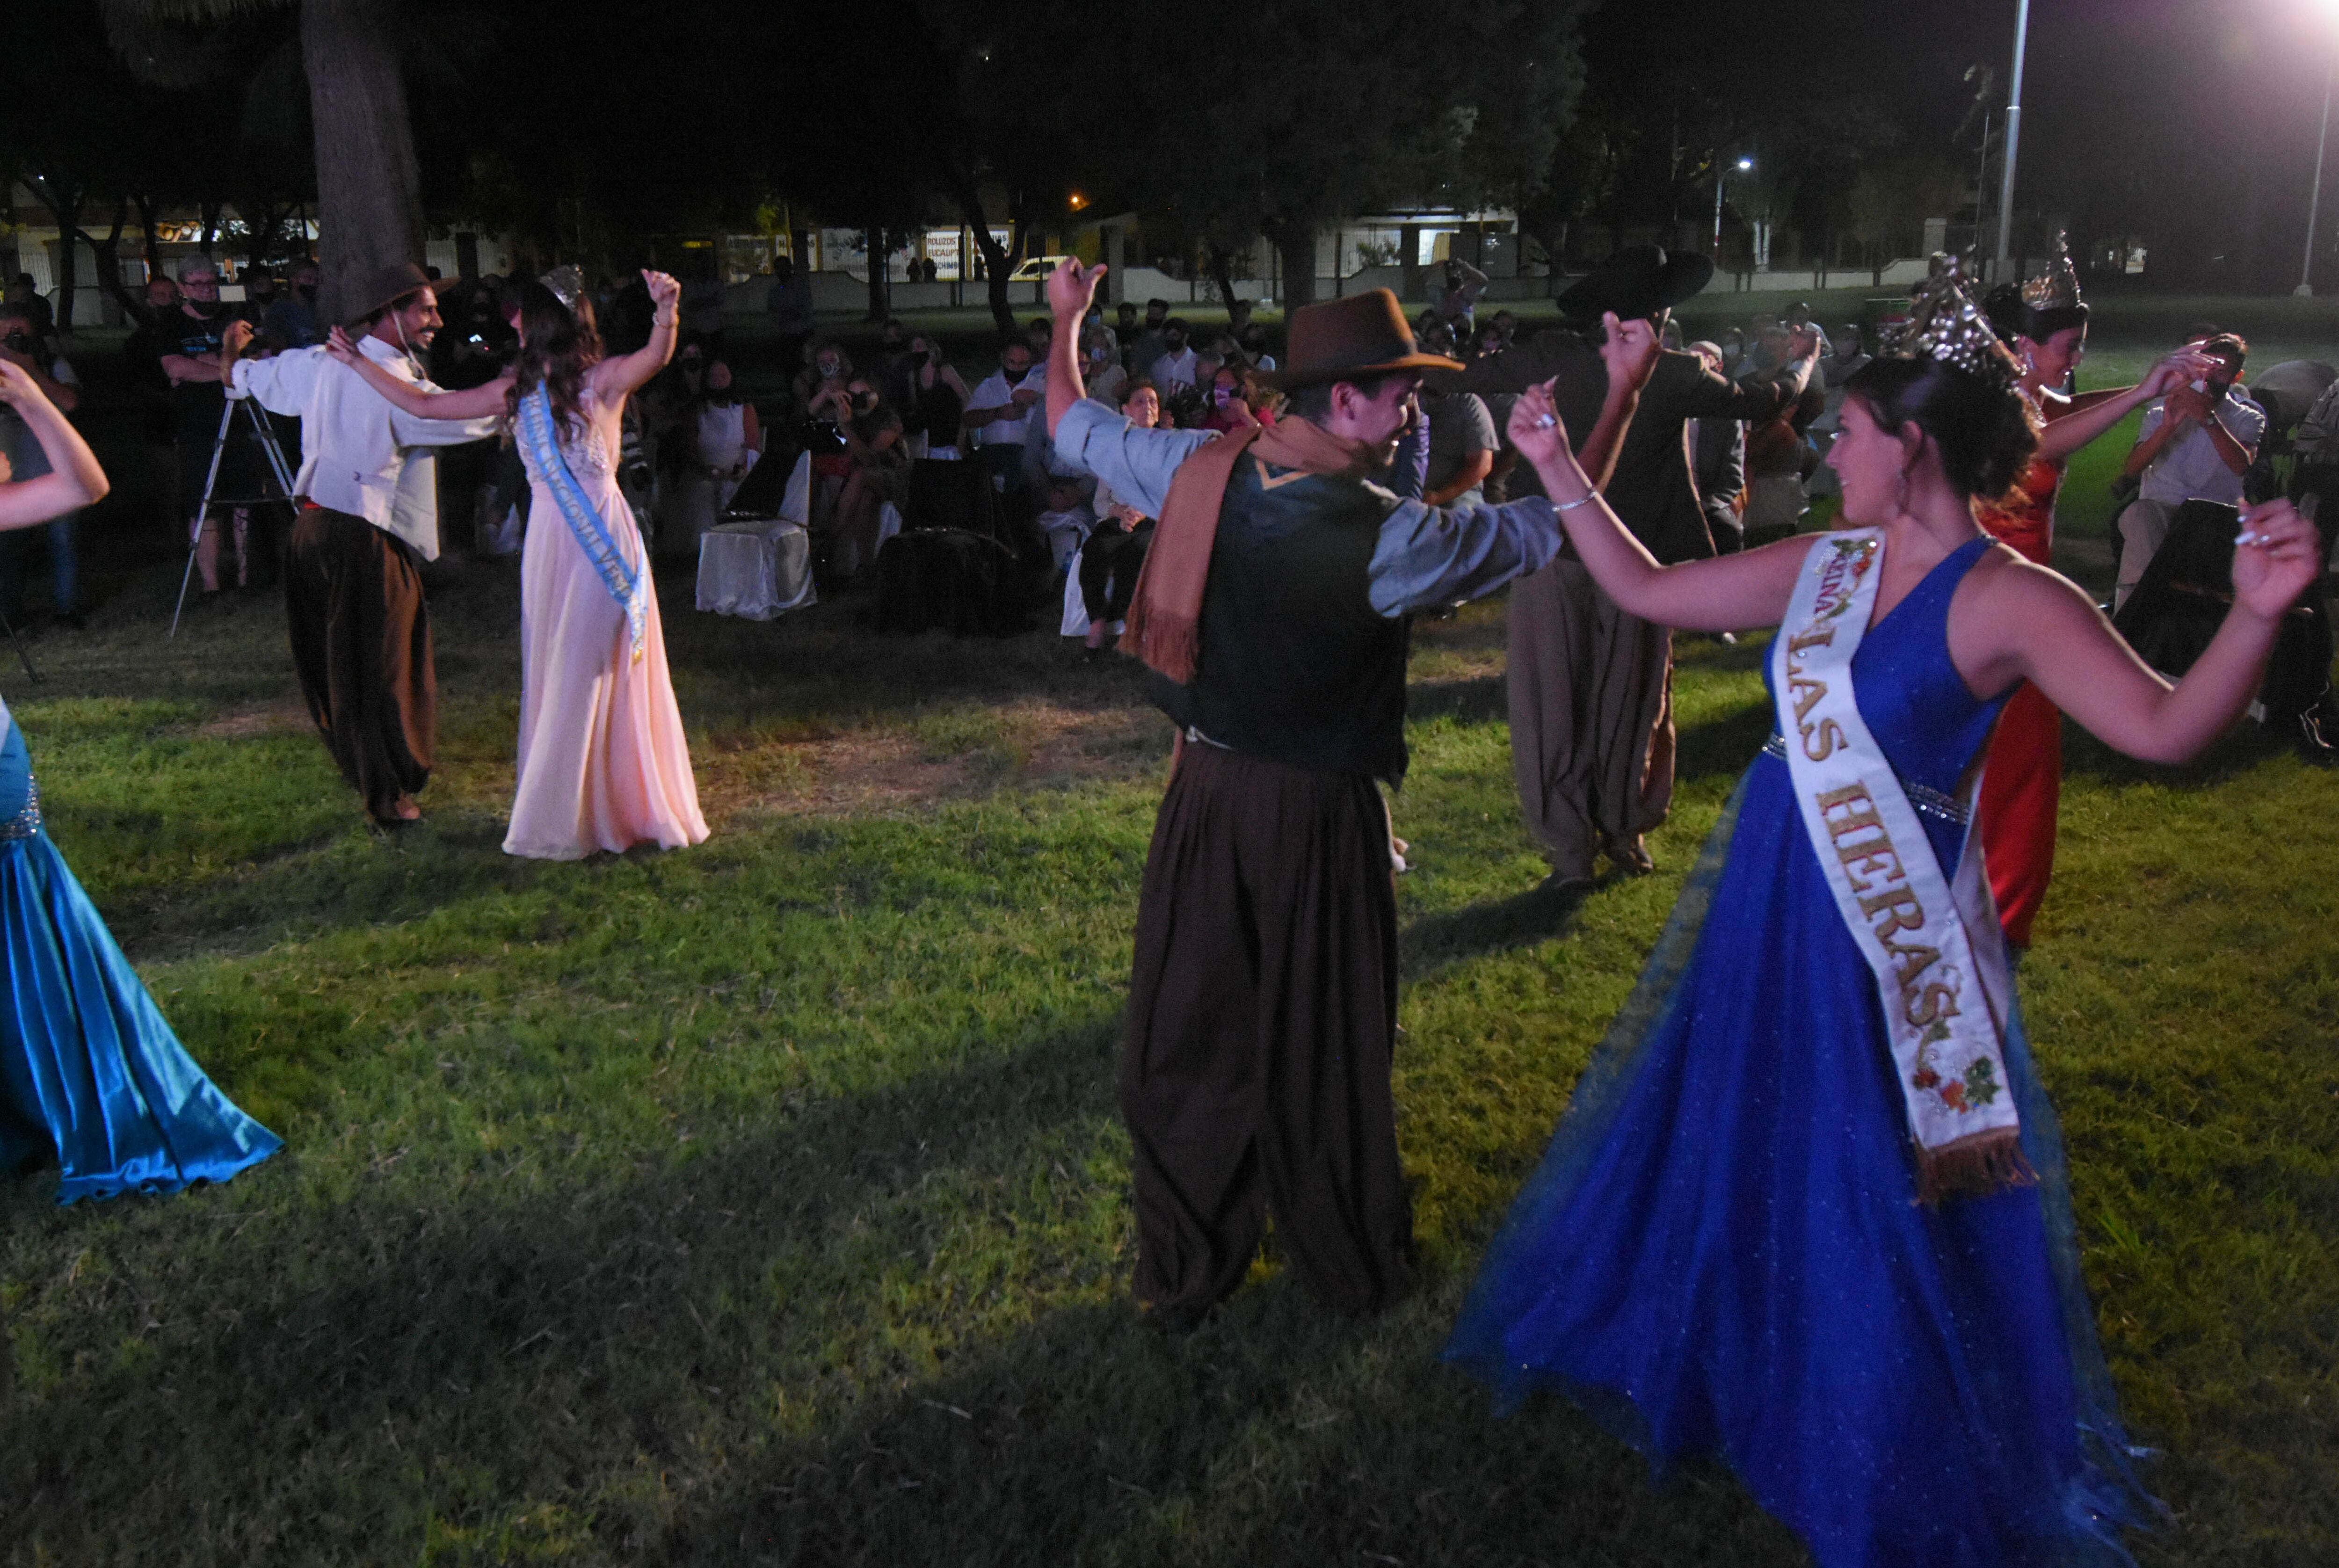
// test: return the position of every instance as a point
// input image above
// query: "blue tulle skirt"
(89, 1073)
(1722, 1252)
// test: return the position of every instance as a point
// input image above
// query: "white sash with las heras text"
(1938, 953)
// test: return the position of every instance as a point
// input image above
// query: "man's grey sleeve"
(1433, 555)
(2244, 421)
(1136, 464)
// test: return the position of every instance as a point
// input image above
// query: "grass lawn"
(766, 1202)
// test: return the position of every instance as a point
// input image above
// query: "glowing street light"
(1744, 165)
(1079, 201)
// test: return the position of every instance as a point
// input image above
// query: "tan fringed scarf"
(1166, 611)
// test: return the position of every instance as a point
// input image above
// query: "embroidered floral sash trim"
(621, 578)
(1937, 954)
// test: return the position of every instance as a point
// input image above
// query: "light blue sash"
(624, 581)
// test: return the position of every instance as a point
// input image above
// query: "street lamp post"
(2013, 137)
(1719, 178)
(2305, 289)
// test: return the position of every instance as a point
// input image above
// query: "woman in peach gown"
(603, 761)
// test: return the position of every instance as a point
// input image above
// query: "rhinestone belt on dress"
(25, 823)
(1931, 802)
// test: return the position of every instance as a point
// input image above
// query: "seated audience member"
(2195, 443)
(1100, 367)
(935, 405)
(1125, 329)
(879, 464)
(1152, 341)
(1717, 459)
(1007, 411)
(728, 439)
(1067, 521)
(1226, 406)
(1115, 551)
(1178, 364)
(826, 369)
(1462, 448)
(1252, 341)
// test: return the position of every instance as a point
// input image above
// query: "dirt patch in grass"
(243, 723)
(944, 755)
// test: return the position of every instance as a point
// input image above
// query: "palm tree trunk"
(369, 189)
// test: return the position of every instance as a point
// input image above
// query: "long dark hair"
(2010, 318)
(557, 346)
(1985, 433)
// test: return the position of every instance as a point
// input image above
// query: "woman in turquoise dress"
(91, 1076)
(1733, 1247)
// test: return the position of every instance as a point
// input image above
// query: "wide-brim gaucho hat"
(1637, 282)
(1349, 338)
(394, 283)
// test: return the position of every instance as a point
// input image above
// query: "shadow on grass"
(1435, 941)
(746, 1359)
(1721, 747)
(1481, 699)
(1275, 1434)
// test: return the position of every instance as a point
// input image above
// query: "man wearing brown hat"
(1591, 687)
(368, 517)
(1273, 613)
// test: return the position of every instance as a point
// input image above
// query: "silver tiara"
(1944, 325)
(566, 284)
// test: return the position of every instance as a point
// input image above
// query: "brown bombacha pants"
(1592, 723)
(1262, 1019)
(361, 648)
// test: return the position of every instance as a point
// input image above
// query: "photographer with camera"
(1456, 300)
(189, 340)
(21, 345)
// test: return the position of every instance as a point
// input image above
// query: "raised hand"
(1071, 286)
(664, 289)
(1535, 428)
(233, 340)
(1630, 350)
(17, 387)
(338, 345)
(2181, 368)
(2275, 557)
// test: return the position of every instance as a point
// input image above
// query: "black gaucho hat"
(1637, 282)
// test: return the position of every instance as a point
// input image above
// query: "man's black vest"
(1292, 663)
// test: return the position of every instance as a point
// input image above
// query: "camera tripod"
(264, 433)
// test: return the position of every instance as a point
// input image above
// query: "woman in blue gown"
(89, 1073)
(1725, 1252)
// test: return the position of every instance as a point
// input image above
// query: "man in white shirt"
(1006, 411)
(369, 517)
(1178, 364)
(2195, 443)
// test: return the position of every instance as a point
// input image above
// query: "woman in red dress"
(2045, 323)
